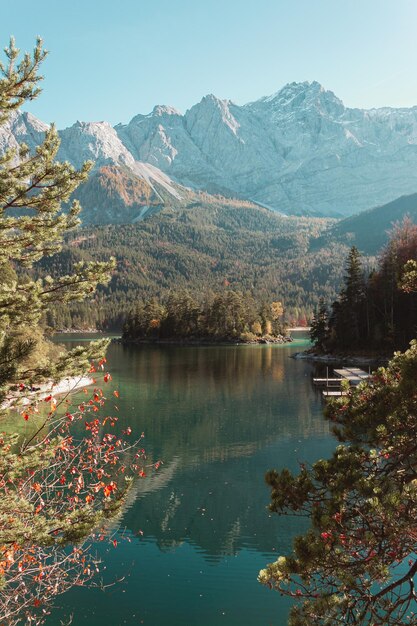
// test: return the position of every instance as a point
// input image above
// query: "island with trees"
(226, 317)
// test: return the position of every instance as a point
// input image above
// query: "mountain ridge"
(369, 231)
(299, 151)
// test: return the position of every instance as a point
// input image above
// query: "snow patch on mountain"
(100, 142)
(299, 150)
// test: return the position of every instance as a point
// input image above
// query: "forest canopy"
(216, 247)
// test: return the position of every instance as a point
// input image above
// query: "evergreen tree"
(352, 300)
(409, 277)
(181, 316)
(33, 187)
(56, 486)
(320, 326)
(379, 312)
(357, 562)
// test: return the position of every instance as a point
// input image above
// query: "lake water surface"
(218, 417)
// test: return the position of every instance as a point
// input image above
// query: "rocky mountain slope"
(119, 189)
(299, 151)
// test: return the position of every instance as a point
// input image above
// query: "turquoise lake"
(218, 418)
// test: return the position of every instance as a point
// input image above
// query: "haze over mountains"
(298, 152)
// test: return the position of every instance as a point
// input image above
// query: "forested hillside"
(224, 245)
(375, 311)
(369, 231)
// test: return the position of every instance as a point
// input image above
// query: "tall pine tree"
(56, 485)
(33, 188)
(348, 318)
(320, 326)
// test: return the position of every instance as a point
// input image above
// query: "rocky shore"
(375, 360)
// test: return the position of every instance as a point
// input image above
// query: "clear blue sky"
(112, 59)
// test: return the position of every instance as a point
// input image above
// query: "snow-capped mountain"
(93, 140)
(297, 151)
(120, 189)
(21, 128)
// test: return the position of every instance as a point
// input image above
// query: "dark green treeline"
(372, 310)
(229, 315)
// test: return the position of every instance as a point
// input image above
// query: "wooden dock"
(332, 385)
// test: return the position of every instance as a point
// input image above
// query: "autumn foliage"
(59, 487)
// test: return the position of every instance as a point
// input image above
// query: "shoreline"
(345, 359)
(77, 331)
(39, 393)
(205, 341)
(298, 328)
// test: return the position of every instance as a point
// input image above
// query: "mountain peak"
(210, 99)
(289, 90)
(163, 109)
(32, 121)
(91, 127)
(297, 151)
(159, 110)
(212, 110)
(303, 95)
